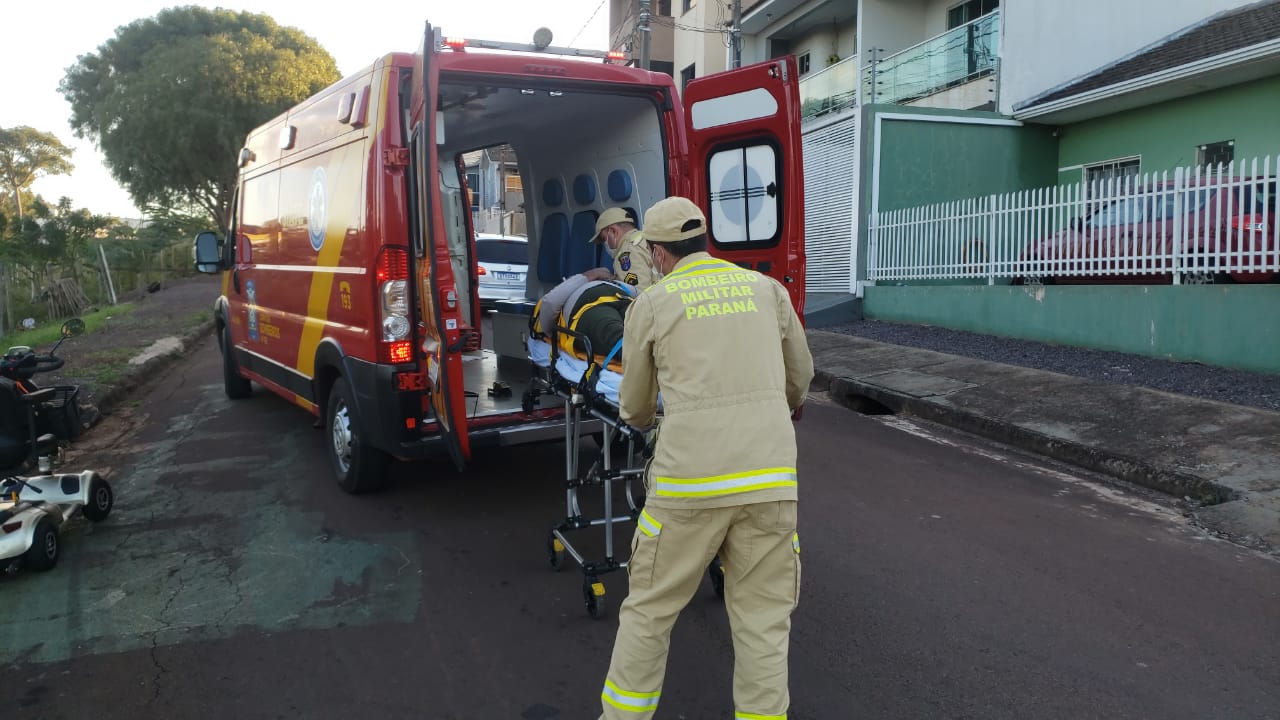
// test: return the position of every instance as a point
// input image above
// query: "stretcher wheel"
(555, 552)
(716, 573)
(593, 594)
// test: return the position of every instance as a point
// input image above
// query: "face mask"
(606, 255)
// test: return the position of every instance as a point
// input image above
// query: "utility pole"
(875, 63)
(644, 34)
(735, 33)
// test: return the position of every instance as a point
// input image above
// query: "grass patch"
(48, 333)
(196, 319)
(105, 367)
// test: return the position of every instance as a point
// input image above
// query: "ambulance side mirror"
(208, 253)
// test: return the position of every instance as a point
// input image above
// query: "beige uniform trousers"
(760, 553)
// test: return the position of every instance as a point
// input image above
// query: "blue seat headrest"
(620, 186)
(552, 193)
(584, 189)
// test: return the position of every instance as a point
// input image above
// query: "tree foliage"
(26, 154)
(170, 99)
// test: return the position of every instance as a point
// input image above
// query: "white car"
(503, 267)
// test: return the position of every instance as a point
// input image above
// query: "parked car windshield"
(511, 252)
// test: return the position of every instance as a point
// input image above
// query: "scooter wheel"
(45, 545)
(101, 500)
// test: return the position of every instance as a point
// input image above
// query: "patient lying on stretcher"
(591, 304)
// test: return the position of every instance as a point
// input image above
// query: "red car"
(1228, 222)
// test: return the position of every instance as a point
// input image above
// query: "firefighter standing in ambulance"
(631, 262)
(729, 354)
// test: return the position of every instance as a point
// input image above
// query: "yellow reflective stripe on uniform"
(795, 542)
(697, 264)
(648, 525)
(753, 716)
(627, 700)
(725, 484)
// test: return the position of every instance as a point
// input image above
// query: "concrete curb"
(111, 396)
(850, 392)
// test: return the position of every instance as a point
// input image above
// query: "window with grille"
(1213, 154)
(803, 62)
(1098, 177)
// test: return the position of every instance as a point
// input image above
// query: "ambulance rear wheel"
(359, 467)
(236, 386)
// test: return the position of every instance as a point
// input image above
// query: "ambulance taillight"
(393, 289)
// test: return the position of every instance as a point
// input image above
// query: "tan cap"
(668, 219)
(612, 216)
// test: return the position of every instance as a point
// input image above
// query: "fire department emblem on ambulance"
(317, 212)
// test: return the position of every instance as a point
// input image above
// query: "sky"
(44, 38)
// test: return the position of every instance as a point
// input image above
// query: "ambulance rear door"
(745, 167)
(437, 295)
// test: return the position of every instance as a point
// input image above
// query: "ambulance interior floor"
(481, 369)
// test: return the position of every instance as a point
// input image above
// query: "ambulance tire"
(359, 467)
(236, 386)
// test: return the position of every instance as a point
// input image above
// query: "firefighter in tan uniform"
(631, 262)
(729, 355)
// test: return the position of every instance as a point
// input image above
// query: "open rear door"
(437, 294)
(743, 129)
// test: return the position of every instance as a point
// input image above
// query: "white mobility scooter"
(35, 508)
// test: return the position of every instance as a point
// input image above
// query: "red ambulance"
(349, 277)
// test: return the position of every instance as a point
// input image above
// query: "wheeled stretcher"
(589, 390)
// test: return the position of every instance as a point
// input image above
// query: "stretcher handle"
(587, 384)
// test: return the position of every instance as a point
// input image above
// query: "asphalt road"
(942, 579)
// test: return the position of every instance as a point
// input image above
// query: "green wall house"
(1207, 95)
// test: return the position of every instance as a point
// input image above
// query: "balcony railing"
(953, 58)
(829, 90)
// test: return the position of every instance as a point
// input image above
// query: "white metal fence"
(1194, 224)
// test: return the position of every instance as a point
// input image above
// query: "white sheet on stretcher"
(571, 368)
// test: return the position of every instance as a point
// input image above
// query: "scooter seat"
(46, 443)
(39, 396)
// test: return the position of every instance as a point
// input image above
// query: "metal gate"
(830, 218)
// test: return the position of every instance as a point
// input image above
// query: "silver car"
(503, 266)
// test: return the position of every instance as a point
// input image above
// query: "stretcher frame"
(583, 401)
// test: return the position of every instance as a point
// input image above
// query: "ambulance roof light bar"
(541, 44)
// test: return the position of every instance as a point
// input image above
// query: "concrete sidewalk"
(1226, 458)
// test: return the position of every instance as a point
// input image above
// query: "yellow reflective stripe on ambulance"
(754, 716)
(725, 484)
(648, 525)
(628, 700)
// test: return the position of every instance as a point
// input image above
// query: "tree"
(27, 154)
(170, 99)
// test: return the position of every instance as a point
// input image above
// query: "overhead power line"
(585, 24)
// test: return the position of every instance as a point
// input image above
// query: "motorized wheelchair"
(35, 508)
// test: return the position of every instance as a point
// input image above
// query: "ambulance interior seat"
(580, 254)
(551, 244)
